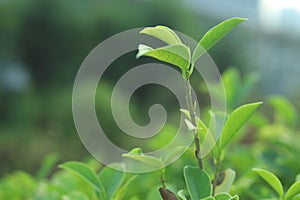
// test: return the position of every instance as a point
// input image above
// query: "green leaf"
(176, 54)
(247, 85)
(143, 50)
(181, 195)
(214, 35)
(163, 33)
(293, 190)
(48, 164)
(122, 191)
(226, 196)
(202, 128)
(112, 180)
(236, 87)
(144, 159)
(226, 184)
(271, 179)
(186, 113)
(235, 121)
(232, 82)
(284, 109)
(87, 173)
(197, 182)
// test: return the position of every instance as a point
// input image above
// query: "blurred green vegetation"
(42, 46)
(46, 41)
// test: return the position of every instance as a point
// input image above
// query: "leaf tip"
(143, 30)
(243, 19)
(259, 103)
(255, 169)
(142, 49)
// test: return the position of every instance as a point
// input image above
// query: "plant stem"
(215, 181)
(162, 178)
(189, 102)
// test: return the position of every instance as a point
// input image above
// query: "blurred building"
(272, 38)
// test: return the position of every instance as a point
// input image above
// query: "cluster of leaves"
(179, 54)
(198, 182)
(275, 183)
(108, 184)
(272, 146)
(275, 136)
(83, 183)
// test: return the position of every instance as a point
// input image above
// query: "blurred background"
(42, 44)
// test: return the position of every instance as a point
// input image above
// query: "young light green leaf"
(137, 151)
(202, 128)
(207, 137)
(214, 35)
(145, 159)
(293, 190)
(226, 196)
(189, 125)
(177, 54)
(143, 49)
(271, 179)
(225, 186)
(235, 121)
(87, 173)
(197, 182)
(112, 180)
(181, 195)
(186, 113)
(163, 33)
